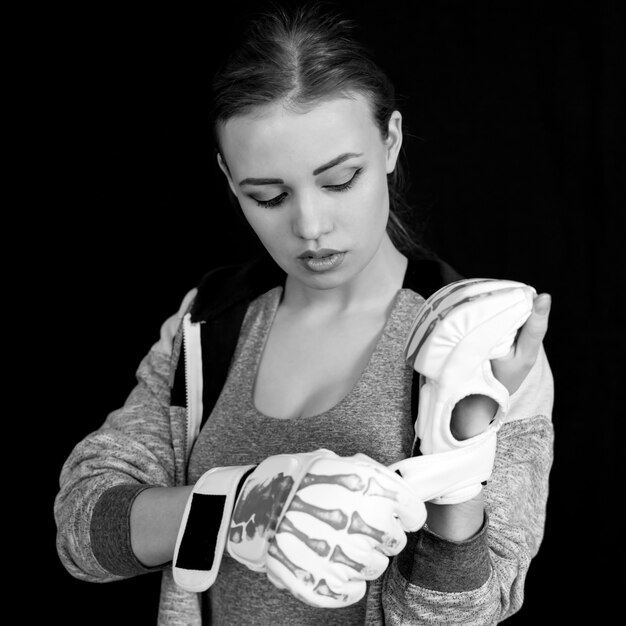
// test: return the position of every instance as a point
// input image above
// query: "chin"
(324, 284)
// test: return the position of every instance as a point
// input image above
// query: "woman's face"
(313, 185)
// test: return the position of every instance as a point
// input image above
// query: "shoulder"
(228, 286)
(428, 273)
(170, 326)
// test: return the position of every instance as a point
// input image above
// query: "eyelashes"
(336, 188)
(347, 185)
(270, 203)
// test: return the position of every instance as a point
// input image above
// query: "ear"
(393, 143)
(224, 168)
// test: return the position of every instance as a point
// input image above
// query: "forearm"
(458, 522)
(155, 518)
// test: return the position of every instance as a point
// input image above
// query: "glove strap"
(452, 476)
(204, 528)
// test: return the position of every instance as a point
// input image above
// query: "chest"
(305, 369)
(373, 416)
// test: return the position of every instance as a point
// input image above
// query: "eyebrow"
(322, 168)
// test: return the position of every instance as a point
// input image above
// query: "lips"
(321, 261)
(318, 254)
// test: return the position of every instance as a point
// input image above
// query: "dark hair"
(302, 57)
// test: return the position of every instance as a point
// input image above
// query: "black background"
(514, 132)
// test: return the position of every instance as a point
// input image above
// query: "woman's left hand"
(474, 413)
(512, 369)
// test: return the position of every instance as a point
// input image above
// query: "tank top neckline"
(269, 303)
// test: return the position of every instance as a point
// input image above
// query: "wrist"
(456, 522)
(154, 521)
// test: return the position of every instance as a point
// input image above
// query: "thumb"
(534, 330)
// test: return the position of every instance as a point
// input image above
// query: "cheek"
(371, 204)
(264, 224)
(256, 221)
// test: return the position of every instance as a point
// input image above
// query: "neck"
(374, 286)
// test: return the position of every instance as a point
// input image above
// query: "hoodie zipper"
(193, 380)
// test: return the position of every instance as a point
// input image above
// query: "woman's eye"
(271, 202)
(345, 186)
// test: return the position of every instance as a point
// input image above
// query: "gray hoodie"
(144, 444)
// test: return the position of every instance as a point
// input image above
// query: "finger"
(275, 579)
(412, 514)
(379, 528)
(334, 486)
(409, 508)
(328, 588)
(333, 481)
(350, 561)
(534, 330)
(377, 565)
(345, 558)
(356, 560)
(394, 539)
(324, 595)
(407, 505)
(334, 592)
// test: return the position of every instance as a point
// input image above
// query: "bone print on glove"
(323, 533)
(457, 332)
(318, 524)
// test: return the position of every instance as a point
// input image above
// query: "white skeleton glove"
(318, 524)
(458, 330)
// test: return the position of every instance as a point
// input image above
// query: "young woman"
(308, 138)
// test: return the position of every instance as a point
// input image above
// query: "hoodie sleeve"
(138, 446)
(481, 580)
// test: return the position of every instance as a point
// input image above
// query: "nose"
(311, 218)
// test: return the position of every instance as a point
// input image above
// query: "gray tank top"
(374, 418)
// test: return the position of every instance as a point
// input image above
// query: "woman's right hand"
(345, 518)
